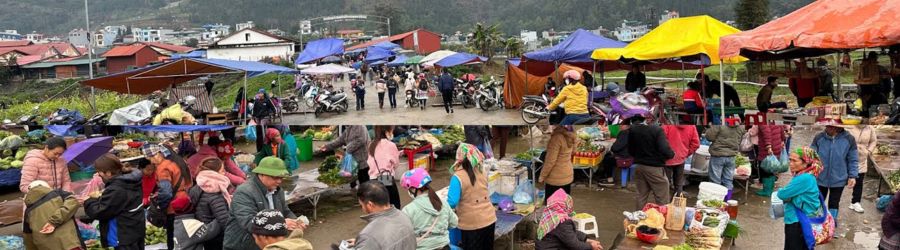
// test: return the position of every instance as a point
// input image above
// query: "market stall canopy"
(434, 57)
(575, 49)
(182, 128)
(386, 45)
(822, 27)
(374, 54)
(327, 69)
(193, 54)
(377, 63)
(414, 60)
(460, 59)
(687, 38)
(319, 49)
(514, 61)
(149, 79)
(399, 60)
(331, 59)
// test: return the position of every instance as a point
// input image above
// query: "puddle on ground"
(866, 240)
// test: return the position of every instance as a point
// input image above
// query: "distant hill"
(58, 17)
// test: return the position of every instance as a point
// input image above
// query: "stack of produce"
(133, 137)
(13, 161)
(409, 144)
(700, 238)
(154, 235)
(329, 172)
(452, 135)
(885, 150)
(11, 141)
(528, 155)
(325, 134)
(894, 180)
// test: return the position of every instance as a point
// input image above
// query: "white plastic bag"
(524, 193)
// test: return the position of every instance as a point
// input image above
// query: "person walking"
(46, 165)
(726, 141)
(263, 108)
(648, 146)
(431, 216)
(556, 230)
(359, 89)
(468, 195)
(423, 88)
(409, 87)
(214, 198)
(48, 221)
(866, 143)
(393, 85)
(800, 195)
(381, 89)
(684, 141)
(840, 159)
(557, 172)
(383, 159)
(445, 85)
(119, 208)
(574, 98)
(262, 191)
(354, 139)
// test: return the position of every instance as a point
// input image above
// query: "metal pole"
(839, 91)
(87, 22)
(245, 100)
(722, 88)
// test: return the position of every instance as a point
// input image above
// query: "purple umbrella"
(89, 150)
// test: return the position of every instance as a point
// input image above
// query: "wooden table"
(790, 119)
(885, 166)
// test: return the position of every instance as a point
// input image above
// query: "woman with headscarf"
(556, 230)
(801, 194)
(274, 146)
(468, 195)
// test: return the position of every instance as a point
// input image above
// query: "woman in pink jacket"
(383, 160)
(234, 174)
(47, 165)
(684, 141)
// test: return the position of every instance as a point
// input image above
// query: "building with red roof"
(168, 49)
(124, 57)
(421, 41)
(15, 43)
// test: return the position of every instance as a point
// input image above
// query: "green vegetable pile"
(741, 160)
(711, 222)
(94, 245)
(309, 133)
(332, 177)
(154, 235)
(13, 161)
(330, 162)
(713, 203)
(409, 144)
(452, 135)
(894, 180)
(528, 155)
(683, 246)
(323, 135)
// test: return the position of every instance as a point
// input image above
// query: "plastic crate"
(587, 161)
(422, 161)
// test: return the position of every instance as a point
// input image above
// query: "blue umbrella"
(89, 150)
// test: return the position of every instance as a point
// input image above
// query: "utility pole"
(87, 22)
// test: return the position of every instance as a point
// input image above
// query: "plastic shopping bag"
(524, 193)
(250, 131)
(348, 166)
(775, 165)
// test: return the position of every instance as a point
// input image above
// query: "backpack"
(423, 84)
(391, 84)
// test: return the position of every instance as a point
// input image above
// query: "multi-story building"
(251, 45)
(215, 31)
(667, 16)
(34, 37)
(630, 31)
(79, 38)
(243, 26)
(9, 35)
(529, 39)
(151, 35)
(104, 38)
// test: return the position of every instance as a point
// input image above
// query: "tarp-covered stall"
(574, 50)
(399, 60)
(820, 28)
(434, 57)
(319, 49)
(460, 59)
(374, 54)
(327, 69)
(515, 87)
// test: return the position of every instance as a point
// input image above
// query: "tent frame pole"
(838, 64)
(526, 78)
(703, 84)
(245, 120)
(722, 87)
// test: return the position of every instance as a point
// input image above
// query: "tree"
(513, 47)
(751, 13)
(191, 42)
(485, 40)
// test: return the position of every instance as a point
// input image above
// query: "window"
(247, 37)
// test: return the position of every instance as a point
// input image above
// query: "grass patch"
(106, 102)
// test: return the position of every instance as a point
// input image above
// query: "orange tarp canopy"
(822, 27)
(515, 87)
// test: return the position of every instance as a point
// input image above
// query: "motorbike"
(64, 116)
(464, 93)
(98, 120)
(411, 99)
(534, 108)
(490, 95)
(30, 119)
(328, 101)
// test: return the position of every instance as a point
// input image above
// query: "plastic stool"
(582, 220)
(627, 174)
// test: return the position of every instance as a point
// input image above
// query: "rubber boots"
(728, 196)
(768, 186)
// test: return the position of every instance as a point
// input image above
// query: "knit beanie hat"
(269, 222)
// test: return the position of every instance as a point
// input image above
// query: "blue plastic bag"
(524, 193)
(348, 166)
(250, 132)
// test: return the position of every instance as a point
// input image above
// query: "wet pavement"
(402, 115)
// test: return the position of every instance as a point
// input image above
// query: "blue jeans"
(721, 171)
(571, 119)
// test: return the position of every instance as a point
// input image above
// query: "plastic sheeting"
(319, 49)
(399, 60)
(131, 114)
(819, 28)
(459, 59)
(576, 48)
(375, 54)
(327, 69)
(434, 57)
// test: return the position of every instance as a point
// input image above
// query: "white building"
(79, 38)
(214, 32)
(151, 35)
(120, 30)
(251, 45)
(529, 39)
(34, 37)
(668, 16)
(243, 26)
(9, 35)
(182, 36)
(104, 38)
(277, 32)
(630, 31)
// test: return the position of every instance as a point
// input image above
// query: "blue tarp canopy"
(514, 61)
(357, 65)
(387, 45)
(252, 68)
(374, 54)
(399, 60)
(575, 50)
(319, 49)
(376, 63)
(459, 59)
(182, 128)
(193, 54)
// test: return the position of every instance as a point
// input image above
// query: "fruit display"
(883, 149)
(154, 235)
(589, 150)
(324, 134)
(332, 177)
(330, 162)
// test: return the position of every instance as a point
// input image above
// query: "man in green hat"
(260, 192)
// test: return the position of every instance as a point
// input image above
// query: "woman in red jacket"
(768, 136)
(684, 140)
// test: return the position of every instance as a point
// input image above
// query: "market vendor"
(262, 191)
(274, 146)
(355, 139)
(468, 195)
(714, 88)
(557, 172)
(556, 230)
(693, 99)
(801, 195)
(764, 98)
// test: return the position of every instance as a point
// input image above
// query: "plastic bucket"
(613, 131)
(305, 146)
(700, 160)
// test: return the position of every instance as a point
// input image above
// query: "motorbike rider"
(574, 96)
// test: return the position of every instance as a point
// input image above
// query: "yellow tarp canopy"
(679, 37)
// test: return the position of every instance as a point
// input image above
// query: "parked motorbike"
(534, 108)
(291, 103)
(30, 119)
(490, 95)
(464, 93)
(98, 120)
(411, 99)
(328, 101)
(64, 116)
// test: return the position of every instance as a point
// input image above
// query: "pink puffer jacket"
(38, 167)
(232, 171)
